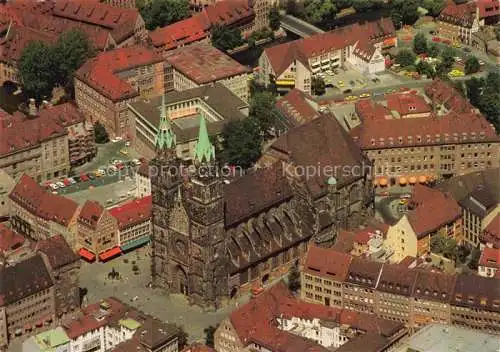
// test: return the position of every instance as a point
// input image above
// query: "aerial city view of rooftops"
(243, 176)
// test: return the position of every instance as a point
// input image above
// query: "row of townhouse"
(415, 297)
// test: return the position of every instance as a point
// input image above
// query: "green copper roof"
(49, 340)
(165, 137)
(204, 150)
(332, 181)
(130, 323)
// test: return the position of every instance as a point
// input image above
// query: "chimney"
(32, 107)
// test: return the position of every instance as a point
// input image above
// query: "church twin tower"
(189, 254)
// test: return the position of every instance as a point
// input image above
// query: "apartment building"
(293, 64)
(104, 85)
(491, 234)
(134, 223)
(479, 197)
(97, 233)
(326, 289)
(415, 297)
(455, 141)
(276, 321)
(202, 64)
(393, 295)
(111, 325)
(216, 104)
(40, 215)
(457, 22)
(234, 14)
(475, 304)
(64, 267)
(37, 146)
(430, 213)
(28, 301)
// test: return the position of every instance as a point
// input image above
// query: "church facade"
(213, 238)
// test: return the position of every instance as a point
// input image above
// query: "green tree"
(318, 11)
(263, 110)
(100, 134)
(209, 335)
(420, 44)
(472, 65)
(294, 279)
(293, 8)
(37, 66)
(404, 11)
(318, 86)
(424, 68)
(433, 50)
(343, 4)
(72, 49)
(473, 88)
(474, 260)
(226, 38)
(462, 253)
(405, 58)
(448, 57)
(274, 18)
(365, 5)
(433, 6)
(241, 143)
(160, 13)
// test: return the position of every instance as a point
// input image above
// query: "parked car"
(91, 176)
(466, 49)
(84, 178)
(365, 95)
(481, 62)
(136, 162)
(53, 186)
(127, 144)
(60, 184)
(120, 166)
(71, 180)
(67, 182)
(124, 152)
(351, 98)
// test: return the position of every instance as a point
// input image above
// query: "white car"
(60, 184)
(136, 161)
(127, 144)
(72, 180)
(53, 186)
(481, 62)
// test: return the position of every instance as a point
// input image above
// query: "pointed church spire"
(204, 150)
(165, 138)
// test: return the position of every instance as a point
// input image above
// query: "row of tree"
(322, 12)
(43, 67)
(160, 13)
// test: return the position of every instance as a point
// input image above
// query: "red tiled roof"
(490, 258)
(29, 195)
(368, 109)
(256, 321)
(91, 213)
(197, 27)
(433, 209)
(295, 107)
(442, 92)
(180, 33)
(327, 262)
(460, 14)
(491, 233)
(488, 8)
(9, 240)
(202, 63)
(101, 72)
(133, 212)
(57, 250)
(281, 56)
(11, 46)
(406, 104)
(88, 321)
(198, 347)
(434, 130)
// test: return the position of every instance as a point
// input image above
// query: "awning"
(135, 243)
(412, 180)
(402, 181)
(109, 253)
(86, 254)
(383, 182)
(285, 82)
(422, 179)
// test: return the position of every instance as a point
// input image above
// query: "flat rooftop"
(202, 63)
(446, 338)
(220, 99)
